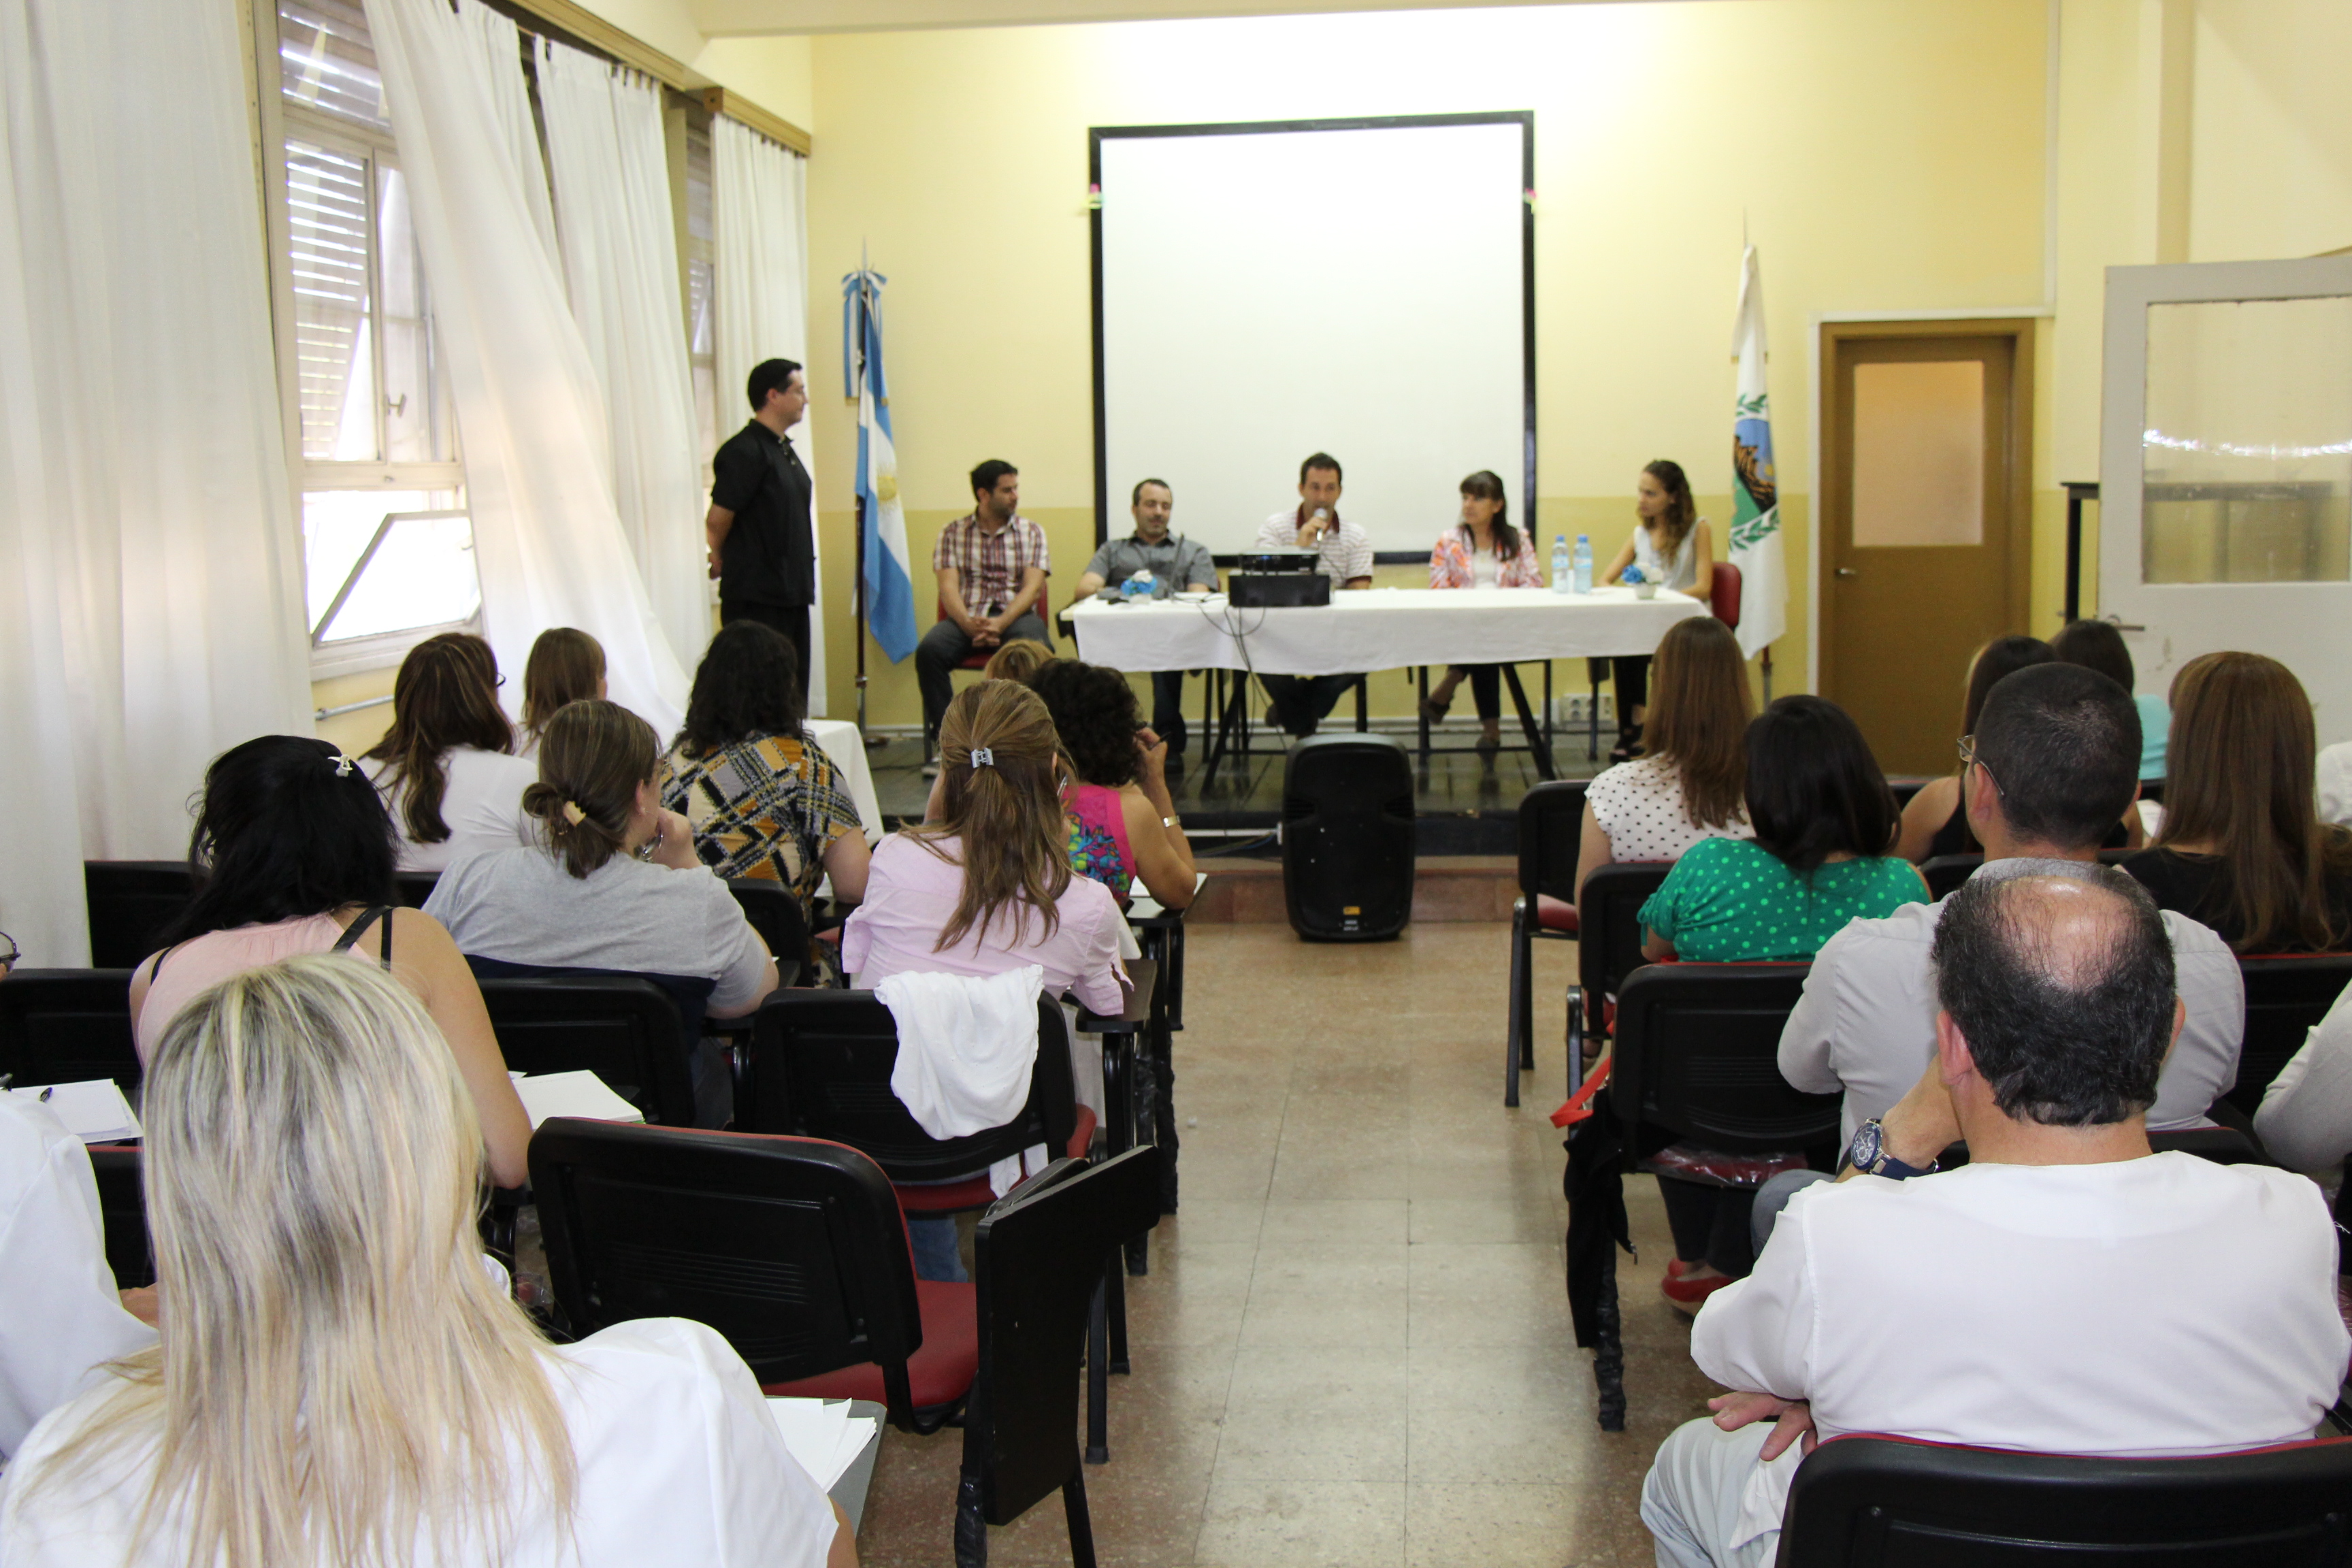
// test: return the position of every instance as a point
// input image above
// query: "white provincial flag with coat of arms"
(1756, 538)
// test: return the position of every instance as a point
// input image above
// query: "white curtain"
(759, 221)
(151, 585)
(607, 150)
(547, 538)
(499, 43)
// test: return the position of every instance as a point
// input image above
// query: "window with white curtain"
(700, 292)
(388, 551)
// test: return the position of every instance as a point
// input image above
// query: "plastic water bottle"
(1559, 567)
(1584, 564)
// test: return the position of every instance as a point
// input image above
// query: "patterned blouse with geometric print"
(767, 808)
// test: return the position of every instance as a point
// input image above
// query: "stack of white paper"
(580, 1093)
(94, 1112)
(822, 1434)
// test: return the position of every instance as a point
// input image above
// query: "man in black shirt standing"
(762, 552)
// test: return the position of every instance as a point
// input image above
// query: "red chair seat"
(974, 1192)
(1555, 914)
(941, 1372)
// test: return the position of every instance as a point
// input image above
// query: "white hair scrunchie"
(983, 757)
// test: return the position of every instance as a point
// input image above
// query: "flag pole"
(861, 619)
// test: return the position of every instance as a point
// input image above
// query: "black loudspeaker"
(1348, 838)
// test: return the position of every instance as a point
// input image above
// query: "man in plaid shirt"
(992, 567)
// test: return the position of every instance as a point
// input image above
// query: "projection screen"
(1364, 288)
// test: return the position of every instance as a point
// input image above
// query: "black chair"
(622, 1027)
(2287, 993)
(1039, 1279)
(1944, 873)
(69, 1026)
(412, 887)
(122, 1209)
(129, 902)
(1551, 828)
(792, 1248)
(1608, 945)
(1870, 1502)
(775, 912)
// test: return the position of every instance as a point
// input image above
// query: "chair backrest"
(1889, 1502)
(1040, 1255)
(69, 1026)
(1608, 926)
(122, 1209)
(1723, 589)
(775, 911)
(821, 1065)
(1551, 829)
(2287, 993)
(792, 1248)
(412, 887)
(1944, 873)
(129, 902)
(1697, 1054)
(622, 1027)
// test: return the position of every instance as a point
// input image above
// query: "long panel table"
(1382, 628)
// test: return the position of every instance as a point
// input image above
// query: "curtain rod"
(583, 26)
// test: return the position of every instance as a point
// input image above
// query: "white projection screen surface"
(1357, 287)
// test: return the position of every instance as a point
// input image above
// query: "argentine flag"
(1756, 547)
(889, 573)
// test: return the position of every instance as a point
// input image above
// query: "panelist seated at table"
(1176, 564)
(1480, 551)
(991, 566)
(1675, 548)
(1344, 553)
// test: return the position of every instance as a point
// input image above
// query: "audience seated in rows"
(2054, 762)
(293, 854)
(1935, 822)
(340, 1378)
(2242, 849)
(761, 798)
(61, 1314)
(1823, 820)
(1122, 821)
(2097, 644)
(984, 885)
(614, 886)
(445, 766)
(2067, 1292)
(1688, 784)
(566, 665)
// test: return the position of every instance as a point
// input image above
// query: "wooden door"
(1924, 520)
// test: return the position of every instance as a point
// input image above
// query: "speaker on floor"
(1348, 838)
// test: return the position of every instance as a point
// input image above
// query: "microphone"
(1322, 521)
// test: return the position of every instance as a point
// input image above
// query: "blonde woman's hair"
(1006, 812)
(591, 761)
(340, 1379)
(1017, 660)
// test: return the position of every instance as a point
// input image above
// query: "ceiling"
(744, 19)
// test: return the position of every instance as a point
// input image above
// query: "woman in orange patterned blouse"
(1482, 550)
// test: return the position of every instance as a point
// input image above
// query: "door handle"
(1847, 571)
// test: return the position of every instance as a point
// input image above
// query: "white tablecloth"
(1378, 628)
(841, 741)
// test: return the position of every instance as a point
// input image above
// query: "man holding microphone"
(1344, 551)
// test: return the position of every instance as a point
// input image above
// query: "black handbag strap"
(358, 929)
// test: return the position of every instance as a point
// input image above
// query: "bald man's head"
(2063, 986)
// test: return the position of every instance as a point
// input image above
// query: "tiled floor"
(1353, 1346)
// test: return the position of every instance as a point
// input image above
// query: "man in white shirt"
(60, 1315)
(2066, 1291)
(1344, 553)
(2054, 762)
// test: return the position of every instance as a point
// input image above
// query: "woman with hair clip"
(1674, 548)
(292, 854)
(761, 798)
(566, 665)
(2242, 849)
(1481, 550)
(1824, 819)
(340, 1379)
(444, 766)
(616, 886)
(1936, 820)
(1685, 786)
(1122, 821)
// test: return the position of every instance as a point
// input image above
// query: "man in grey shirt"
(1176, 563)
(2054, 762)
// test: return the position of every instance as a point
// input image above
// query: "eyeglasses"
(8, 959)
(1968, 759)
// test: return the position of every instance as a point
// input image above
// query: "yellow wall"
(1885, 155)
(771, 72)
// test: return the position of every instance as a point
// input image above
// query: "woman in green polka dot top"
(1822, 855)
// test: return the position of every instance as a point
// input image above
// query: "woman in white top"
(340, 1379)
(1690, 782)
(1674, 548)
(445, 766)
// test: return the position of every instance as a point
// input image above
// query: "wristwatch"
(1869, 1155)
